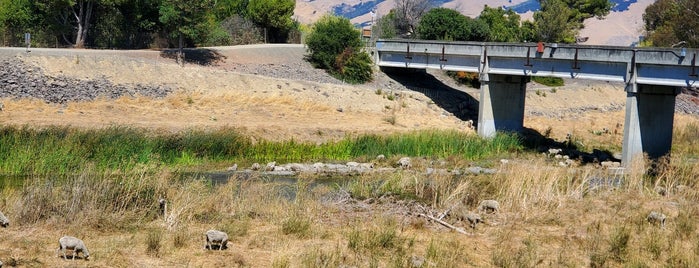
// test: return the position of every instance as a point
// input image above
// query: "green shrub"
(330, 36)
(353, 66)
(549, 81)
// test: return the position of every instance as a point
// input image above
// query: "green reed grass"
(67, 150)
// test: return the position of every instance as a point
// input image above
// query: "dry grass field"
(550, 216)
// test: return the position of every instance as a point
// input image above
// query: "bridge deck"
(651, 66)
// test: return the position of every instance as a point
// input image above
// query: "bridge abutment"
(649, 121)
(501, 104)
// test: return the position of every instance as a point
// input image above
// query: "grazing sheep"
(404, 163)
(216, 237)
(489, 206)
(472, 218)
(656, 218)
(74, 244)
(4, 222)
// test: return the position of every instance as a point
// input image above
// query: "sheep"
(216, 237)
(404, 163)
(4, 222)
(656, 218)
(489, 206)
(472, 218)
(74, 244)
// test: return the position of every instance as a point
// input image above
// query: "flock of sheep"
(214, 239)
(492, 206)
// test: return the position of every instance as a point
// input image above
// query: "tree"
(385, 26)
(408, 14)
(504, 26)
(334, 44)
(71, 19)
(672, 23)
(273, 15)
(448, 24)
(552, 22)
(181, 18)
(125, 24)
(15, 19)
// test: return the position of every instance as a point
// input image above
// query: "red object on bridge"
(540, 47)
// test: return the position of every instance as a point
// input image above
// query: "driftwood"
(446, 224)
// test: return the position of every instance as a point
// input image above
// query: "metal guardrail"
(651, 66)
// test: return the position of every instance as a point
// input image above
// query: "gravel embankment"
(18, 80)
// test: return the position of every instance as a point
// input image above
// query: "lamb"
(489, 206)
(4, 222)
(656, 218)
(74, 244)
(216, 237)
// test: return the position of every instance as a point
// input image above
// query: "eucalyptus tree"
(71, 18)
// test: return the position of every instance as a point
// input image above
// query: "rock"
(20, 81)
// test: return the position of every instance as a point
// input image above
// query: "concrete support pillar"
(649, 119)
(501, 105)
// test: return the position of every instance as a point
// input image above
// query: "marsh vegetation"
(103, 186)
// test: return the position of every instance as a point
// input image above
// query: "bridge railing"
(653, 66)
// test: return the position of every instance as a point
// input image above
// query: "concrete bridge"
(653, 77)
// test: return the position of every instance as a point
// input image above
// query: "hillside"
(270, 92)
(621, 27)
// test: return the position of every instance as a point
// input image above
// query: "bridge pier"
(501, 104)
(649, 120)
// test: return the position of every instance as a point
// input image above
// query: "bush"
(465, 78)
(549, 81)
(448, 24)
(353, 66)
(334, 45)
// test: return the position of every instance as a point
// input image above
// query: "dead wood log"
(446, 224)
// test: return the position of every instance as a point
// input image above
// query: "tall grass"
(66, 150)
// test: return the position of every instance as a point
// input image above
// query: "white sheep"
(656, 218)
(216, 237)
(472, 218)
(74, 244)
(4, 222)
(489, 206)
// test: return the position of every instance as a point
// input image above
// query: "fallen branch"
(444, 214)
(446, 224)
